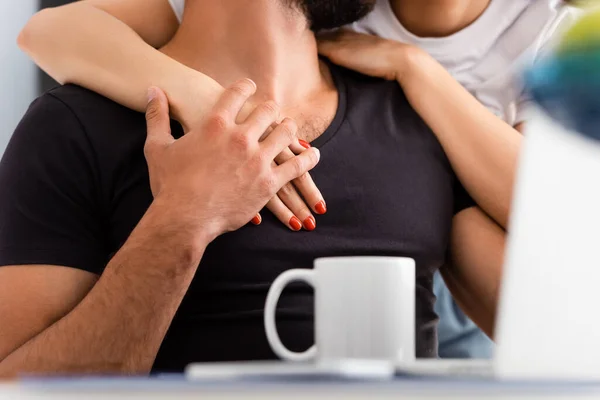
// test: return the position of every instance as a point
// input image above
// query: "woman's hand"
(296, 202)
(289, 206)
(367, 54)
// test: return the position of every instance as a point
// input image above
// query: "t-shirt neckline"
(456, 41)
(342, 105)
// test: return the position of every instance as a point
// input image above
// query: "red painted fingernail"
(304, 144)
(310, 224)
(256, 220)
(321, 207)
(295, 224)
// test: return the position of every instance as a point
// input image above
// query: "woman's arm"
(108, 47)
(474, 272)
(482, 148)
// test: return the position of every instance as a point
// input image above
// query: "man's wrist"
(168, 225)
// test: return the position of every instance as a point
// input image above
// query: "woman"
(108, 46)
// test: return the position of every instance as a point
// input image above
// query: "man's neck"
(257, 39)
(438, 18)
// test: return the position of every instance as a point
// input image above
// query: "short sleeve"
(49, 205)
(524, 105)
(178, 6)
(462, 200)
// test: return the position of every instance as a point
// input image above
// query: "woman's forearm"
(482, 148)
(84, 45)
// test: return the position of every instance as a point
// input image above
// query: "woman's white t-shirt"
(488, 56)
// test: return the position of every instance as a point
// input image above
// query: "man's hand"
(220, 174)
(297, 203)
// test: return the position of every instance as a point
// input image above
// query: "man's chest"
(385, 196)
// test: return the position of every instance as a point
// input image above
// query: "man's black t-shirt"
(75, 183)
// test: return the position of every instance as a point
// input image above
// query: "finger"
(257, 220)
(262, 118)
(296, 204)
(281, 138)
(297, 166)
(282, 213)
(305, 184)
(158, 121)
(299, 146)
(233, 99)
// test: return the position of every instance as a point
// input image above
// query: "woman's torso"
(489, 56)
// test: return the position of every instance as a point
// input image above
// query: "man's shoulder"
(355, 78)
(77, 113)
(72, 120)
(370, 94)
(364, 88)
(85, 103)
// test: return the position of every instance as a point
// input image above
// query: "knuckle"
(289, 128)
(243, 87)
(303, 179)
(263, 159)
(147, 150)
(270, 109)
(240, 141)
(297, 166)
(153, 111)
(218, 122)
(268, 185)
(287, 190)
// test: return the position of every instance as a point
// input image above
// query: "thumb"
(158, 121)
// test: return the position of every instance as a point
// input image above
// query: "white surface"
(548, 321)
(405, 389)
(18, 76)
(364, 309)
(453, 368)
(340, 369)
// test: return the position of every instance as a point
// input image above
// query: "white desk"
(397, 390)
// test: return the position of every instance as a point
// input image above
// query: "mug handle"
(293, 275)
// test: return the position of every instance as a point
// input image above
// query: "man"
(98, 269)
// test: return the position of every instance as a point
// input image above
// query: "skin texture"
(477, 241)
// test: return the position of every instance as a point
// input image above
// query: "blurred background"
(20, 80)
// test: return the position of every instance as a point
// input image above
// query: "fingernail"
(321, 207)
(151, 94)
(251, 82)
(317, 152)
(256, 220)
(295, 223)
(310, 224)
(304, 143)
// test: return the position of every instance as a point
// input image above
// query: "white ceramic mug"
(364, 309)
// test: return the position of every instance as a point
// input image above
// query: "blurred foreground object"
(556, 220)
(567, 85)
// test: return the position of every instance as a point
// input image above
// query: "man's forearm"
(482, 148)
(119, 326)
